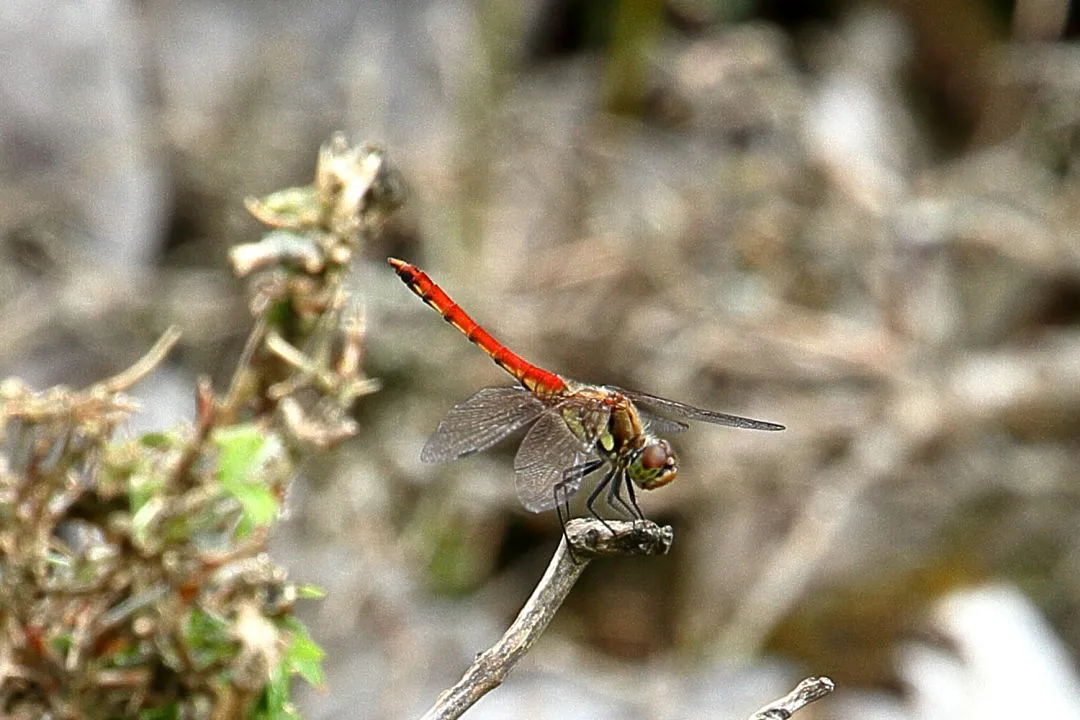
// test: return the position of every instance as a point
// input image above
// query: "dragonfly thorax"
(653, 465)
(606, 419)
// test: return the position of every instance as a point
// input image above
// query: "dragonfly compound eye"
(658, 465)
(654, 457)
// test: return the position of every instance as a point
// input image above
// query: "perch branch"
(806, 692)
(589, 538)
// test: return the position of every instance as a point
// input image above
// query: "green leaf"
(142, 521)
(308, 591)
(144, 485)
(304, 657)
(156, 440)
(241, 449)
(244, 450)
(208, 640)
(274, 704)
(62, 643)
(165, 712)
(259, 504)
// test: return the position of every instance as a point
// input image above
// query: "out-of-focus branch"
(146, 364)
(806, 692)
(588, 538)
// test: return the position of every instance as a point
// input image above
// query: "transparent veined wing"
(547, 457)
(659, 424)
(689, 412)
(482, 420)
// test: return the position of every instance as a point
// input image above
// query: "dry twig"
(806, 692)
(589, 538)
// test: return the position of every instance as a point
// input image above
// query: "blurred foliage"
(134, 579)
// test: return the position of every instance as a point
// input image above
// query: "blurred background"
(857, 219)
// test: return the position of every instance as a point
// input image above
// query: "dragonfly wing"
(481, 421)
(547, 457)
(660, 424)
(690, 412)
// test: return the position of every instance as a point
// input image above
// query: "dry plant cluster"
(134, 577)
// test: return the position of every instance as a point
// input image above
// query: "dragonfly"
(575, 428)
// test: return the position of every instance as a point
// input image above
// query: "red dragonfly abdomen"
(536, 379)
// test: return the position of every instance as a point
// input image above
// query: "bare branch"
(144, 365)
(596, 538)
(589, 538)
(806, 692)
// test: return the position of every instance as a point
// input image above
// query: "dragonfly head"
(653, 465)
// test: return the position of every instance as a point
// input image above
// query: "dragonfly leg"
(591, 502)
(565, 488)
(564, 518)
(633, 499)
(616, 501)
